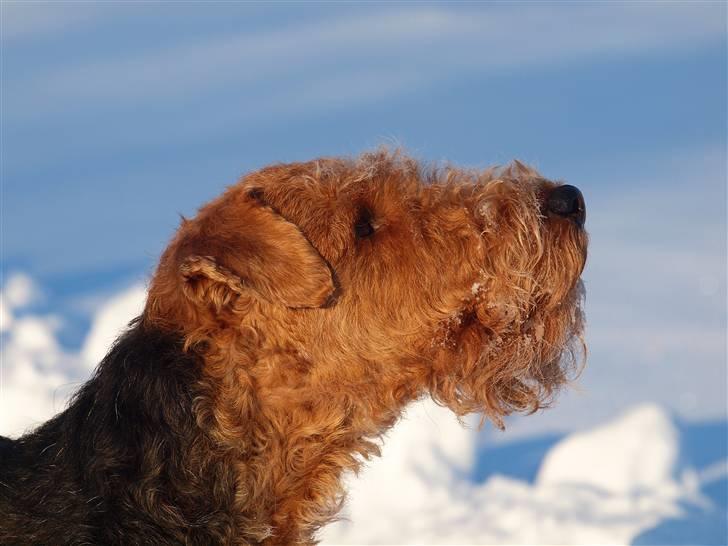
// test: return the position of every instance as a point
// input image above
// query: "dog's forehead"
(332, 187)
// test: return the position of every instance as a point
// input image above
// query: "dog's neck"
(292, 437)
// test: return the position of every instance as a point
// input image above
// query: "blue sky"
(116, 118)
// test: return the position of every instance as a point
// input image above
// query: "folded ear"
(245, 246)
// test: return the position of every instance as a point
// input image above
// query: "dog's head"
(384, 280)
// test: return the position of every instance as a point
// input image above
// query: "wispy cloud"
(29, 20)
(424, 43)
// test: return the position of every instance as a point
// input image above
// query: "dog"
(286, 328)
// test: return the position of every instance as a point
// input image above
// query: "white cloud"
(6, 317)
(34, 373)
(110, 321)
(37, 375)
(600, 487)
(19, 291)
(639, 451)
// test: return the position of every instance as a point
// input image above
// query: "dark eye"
(363, 226)
(256, 194)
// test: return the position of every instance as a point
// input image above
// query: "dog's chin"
(498, 364)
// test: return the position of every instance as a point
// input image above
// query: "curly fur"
(276, 347)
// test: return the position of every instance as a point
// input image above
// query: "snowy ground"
(643, 477)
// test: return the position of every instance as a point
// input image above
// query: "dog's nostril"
(567, 201)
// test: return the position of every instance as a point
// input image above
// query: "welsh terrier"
(286, 328)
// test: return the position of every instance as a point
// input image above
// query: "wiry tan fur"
(314, 341)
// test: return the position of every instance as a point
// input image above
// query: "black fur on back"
(126, 463)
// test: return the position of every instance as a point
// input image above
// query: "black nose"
(567, 201)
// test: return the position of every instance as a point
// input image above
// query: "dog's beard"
(520, 338)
